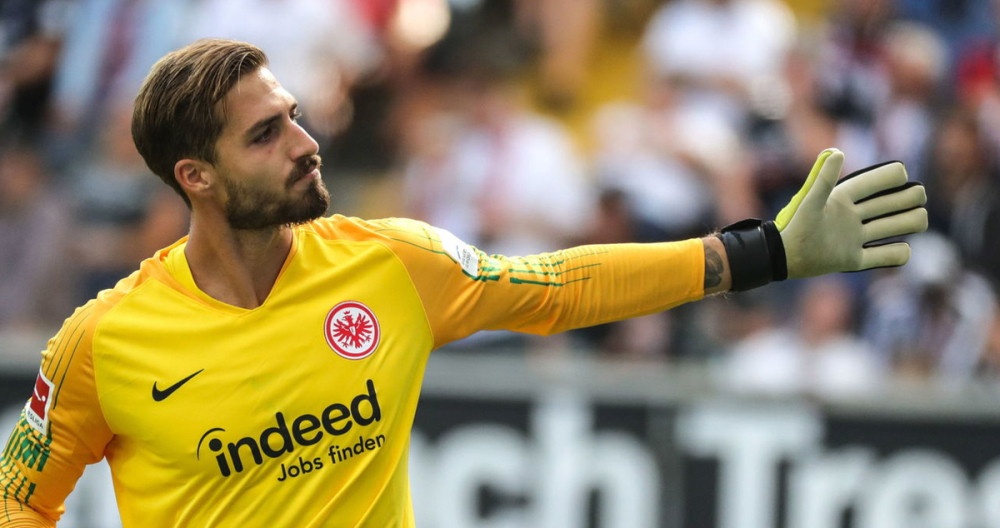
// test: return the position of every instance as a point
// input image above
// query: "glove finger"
(816, 190)
(905, 223)
(901, 188)
(909, 196)
(866, 182)
(895, 254)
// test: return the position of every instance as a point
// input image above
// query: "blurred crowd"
(489, 118)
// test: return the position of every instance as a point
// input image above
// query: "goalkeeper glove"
(830, 226)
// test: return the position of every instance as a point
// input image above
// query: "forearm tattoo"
(713, 268)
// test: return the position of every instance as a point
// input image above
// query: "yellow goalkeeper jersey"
(297, 412)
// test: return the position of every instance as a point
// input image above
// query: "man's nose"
(303, 144)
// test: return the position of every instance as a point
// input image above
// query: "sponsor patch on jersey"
(37, 410)
(352, 330)
(463, 253)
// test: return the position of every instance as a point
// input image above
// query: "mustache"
(303, 166)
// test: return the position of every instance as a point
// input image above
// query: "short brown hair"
(177, 114)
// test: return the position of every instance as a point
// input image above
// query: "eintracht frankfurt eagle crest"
(352, 330)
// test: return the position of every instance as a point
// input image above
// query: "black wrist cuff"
(755, 252)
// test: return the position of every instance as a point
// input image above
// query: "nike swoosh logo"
(160, 395)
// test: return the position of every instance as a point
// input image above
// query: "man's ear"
(194, 176)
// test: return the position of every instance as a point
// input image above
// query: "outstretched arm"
(828, 227)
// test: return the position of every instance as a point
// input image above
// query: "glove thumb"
(816, 190)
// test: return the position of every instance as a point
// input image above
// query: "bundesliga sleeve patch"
(463, 253)
(36, 412)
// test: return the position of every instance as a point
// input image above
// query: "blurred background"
(522, 126)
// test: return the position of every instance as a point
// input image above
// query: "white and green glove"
(830, 226)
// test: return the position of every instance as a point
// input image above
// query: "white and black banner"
(565, 457)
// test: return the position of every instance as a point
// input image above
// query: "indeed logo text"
(283, 437)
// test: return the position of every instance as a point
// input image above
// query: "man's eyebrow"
(259, 126)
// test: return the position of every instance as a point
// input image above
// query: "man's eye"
(264, 136)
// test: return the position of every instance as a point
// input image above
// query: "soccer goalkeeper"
(265, 369)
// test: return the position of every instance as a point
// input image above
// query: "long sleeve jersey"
(297, 412)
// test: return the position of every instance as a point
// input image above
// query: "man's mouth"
(307, 170)
(311, 175)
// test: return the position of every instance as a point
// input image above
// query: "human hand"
(832, 225)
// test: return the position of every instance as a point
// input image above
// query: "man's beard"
(254, 208)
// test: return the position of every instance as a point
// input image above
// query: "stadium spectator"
(494, 172)
(35, 232)
(817, 352)
(120, 214)
(726, 54)
(782, 144)
(915, 67)
(854, 49)
(31, 34)
(959, 24)
(931, 320)
(977, 86)
(107, 48)
(320, 49)
(963, 179)
(988, 368)
(851, 71)
(673, 167)
(565, 32)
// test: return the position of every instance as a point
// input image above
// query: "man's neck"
(236, 266)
